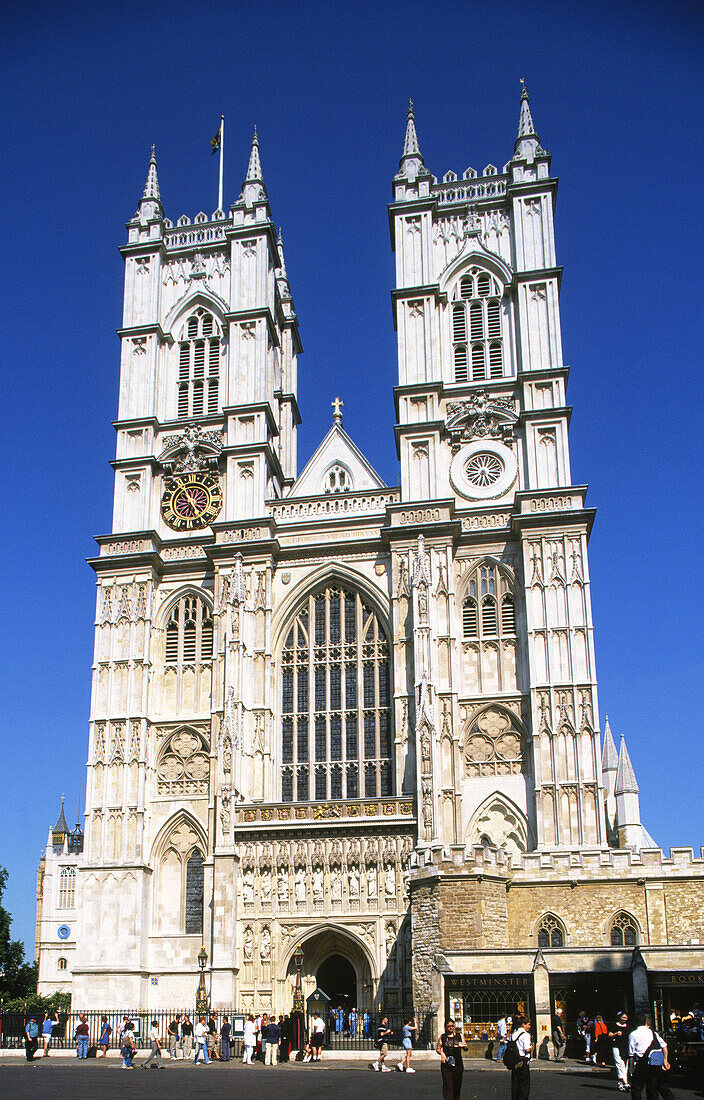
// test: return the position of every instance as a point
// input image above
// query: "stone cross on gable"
(337, 404)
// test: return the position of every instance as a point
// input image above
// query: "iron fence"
(343, 1032)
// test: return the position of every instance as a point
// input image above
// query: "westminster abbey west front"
(355, 718)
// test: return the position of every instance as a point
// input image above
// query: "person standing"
(225, 1031)
(172, 1032)
(105, 1033)
(383, 1034)
(520, 1074)
(619, 1049)
(407, 1043)
(272, 1038)
(250, 1039)
(31, 1041)
(501, 1033)
(317, 1035)
(285, 1049)
(201, 1042)
(646, 1047)
(212, 1039)
(186, 1037)
(81, 1036)
(559, 1039)
(582, 1025)
(353, 1022)
(450, 1046)
(155, 1043)
(47, 1030)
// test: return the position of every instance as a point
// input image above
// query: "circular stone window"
(483, 470)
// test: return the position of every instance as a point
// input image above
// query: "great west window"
(336, 736)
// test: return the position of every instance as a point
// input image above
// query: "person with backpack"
(649, 1062)
(31, 1038)
(450, 1046)
(128, 1047)
(517, 1059)
(383, 1035)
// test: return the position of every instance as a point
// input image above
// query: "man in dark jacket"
(271, 1037)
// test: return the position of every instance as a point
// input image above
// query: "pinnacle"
(254, 169)
(151, 187)
(625, 776)
(609, 756)
(525, 121)
(61, 824)
(410, 146)
(280, 246)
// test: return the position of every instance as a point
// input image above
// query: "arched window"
(477, 312)
(67, 888)
(194, 894)
(198, 366)
(337, 480)
(489, 608)
(624, 931)
(189, 632)
(63, 964)
(336, 738)
(551, 932)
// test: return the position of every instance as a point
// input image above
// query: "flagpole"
(222, 141)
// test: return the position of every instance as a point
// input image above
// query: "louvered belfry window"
(477, 337)
(489, 608)
(198, 367)
(189, 632)
(336, 739)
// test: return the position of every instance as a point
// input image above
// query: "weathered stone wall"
(684, 909)
(473, 913)
(426, 939)
(585, 909)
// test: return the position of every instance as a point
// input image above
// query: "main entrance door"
(336, 977)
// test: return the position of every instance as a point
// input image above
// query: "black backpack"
(512, 1058)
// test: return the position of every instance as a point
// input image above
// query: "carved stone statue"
(353, 878)
(318, 883)
(248, 886)
(336, 884)
(248, 944)
(282, 885)
(390, 881)
(265, 948)
(300, 885)
(371, 882)
(266, 885)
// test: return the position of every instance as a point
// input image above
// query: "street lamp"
(298, 1004)
(201, 992)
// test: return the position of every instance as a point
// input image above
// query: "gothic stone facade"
(331, 713)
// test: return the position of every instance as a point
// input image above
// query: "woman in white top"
(201, 1036)
(250, 1040)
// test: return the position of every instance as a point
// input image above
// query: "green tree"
(18, 978)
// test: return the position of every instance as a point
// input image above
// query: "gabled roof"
(337, 449)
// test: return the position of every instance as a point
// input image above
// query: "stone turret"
(609, 767)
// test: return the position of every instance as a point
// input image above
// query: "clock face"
(191, 501)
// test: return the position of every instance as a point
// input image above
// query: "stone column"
(541, 994)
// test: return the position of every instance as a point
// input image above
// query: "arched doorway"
(336, 976)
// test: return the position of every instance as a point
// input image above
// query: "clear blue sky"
(616, 92)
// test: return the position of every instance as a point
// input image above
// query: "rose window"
(493, 745)
(484, 469)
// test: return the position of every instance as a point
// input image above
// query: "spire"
(527, 141)
(609, 756)
(281, 276)
(61, 824)
(150, 202)
(625, 776)
(411, 162)
(253, 189)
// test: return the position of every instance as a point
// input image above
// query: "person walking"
(127, 1044)
(383, 1034)
(31, 1041)
(172, 1032)
(407, 1042)
(619, 1049)
(81, 1036)
(601, 1033)
(502, 1027)
(105, 1033)
(155, 1052)
(650, 1064)
(250, 1039)
(201, 1042)
(186, 1037)
(559, 1039)
(450, 1046)
(317, 1035)
(582, 1025)
(520, 1074)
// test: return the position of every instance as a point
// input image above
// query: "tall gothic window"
(551, 932)
(198, 366)
(189, 632)
(624, 931)
(477, 338)
(489, 608)
(67, 887)
(336, 738)
(194, 894)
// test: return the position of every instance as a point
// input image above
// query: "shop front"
(673, 994)
(478, 1001)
